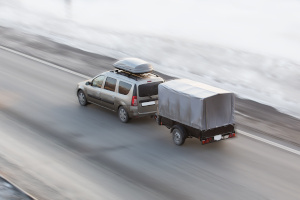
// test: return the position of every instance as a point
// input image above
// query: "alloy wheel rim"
(122, 115)
(81, 98)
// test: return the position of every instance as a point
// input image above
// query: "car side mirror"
(88, 83)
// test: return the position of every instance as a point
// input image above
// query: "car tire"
(178, 134)
(82, 98)
(123, 115)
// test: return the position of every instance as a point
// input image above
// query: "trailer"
(193, 109)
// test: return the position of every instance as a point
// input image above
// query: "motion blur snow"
(248, 47)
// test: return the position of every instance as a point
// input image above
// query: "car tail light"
(134, 101)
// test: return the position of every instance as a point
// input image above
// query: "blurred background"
(248, 47)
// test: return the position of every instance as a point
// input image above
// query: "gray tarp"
(195, 104)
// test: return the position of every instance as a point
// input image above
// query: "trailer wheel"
(178, 134)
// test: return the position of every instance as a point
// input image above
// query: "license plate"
(149, 103)
(217, 137)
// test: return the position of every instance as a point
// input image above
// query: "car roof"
(134, 65)
(133, 78)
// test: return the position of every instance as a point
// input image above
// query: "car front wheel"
(82, 98)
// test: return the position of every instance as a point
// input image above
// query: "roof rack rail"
(134, 76)
(155, 74)
(127, 74)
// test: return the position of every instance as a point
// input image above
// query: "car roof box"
(134, 65)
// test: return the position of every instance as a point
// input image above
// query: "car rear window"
(149, 89)
(110, 84)
(124, 88)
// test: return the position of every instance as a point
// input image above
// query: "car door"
(148, 97)
(94, 90)
(108, 93)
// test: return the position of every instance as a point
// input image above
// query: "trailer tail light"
(231, 135)
(207, 140)
(134, 101)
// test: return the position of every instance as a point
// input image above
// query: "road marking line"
(87, 77)
(45, 62)
(269, 142)
(237, 112)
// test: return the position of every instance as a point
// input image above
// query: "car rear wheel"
(123, 115)
(82, 98)
(178, 134)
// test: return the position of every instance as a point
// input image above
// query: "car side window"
(110, 84)
(98, 81)
(124, 88)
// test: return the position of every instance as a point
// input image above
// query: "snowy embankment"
(248, 47)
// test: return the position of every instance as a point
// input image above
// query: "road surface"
(56, 149)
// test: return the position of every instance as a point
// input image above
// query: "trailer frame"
(183, 131)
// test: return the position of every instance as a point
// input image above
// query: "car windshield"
(149, 89)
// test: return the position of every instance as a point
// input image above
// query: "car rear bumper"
(134, 112)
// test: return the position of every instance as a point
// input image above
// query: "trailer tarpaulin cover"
(195, 104)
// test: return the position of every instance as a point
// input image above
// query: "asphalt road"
(56, 149)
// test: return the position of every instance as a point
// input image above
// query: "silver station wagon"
(131, 89)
